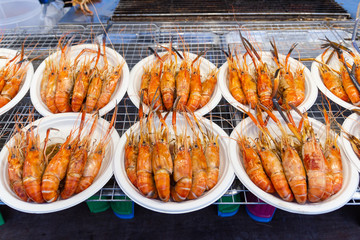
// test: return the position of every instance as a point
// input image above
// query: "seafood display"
(177, 158)
(290, 164)
(15, 75)
(47, 168)
(337, 74)
(151, 162)
(172, 75)
(250, 79)
(88, 76)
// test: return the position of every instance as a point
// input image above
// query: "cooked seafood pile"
(165, 79)
(12, 74)
(344, 81)
(161, 166)
(44, 173)
(295, 167)
(68, 85)
(251, 86)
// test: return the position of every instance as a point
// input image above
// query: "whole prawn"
(82, 81)
(253, 166)
(162, 163)
(208, 87)
(55, 171)
(95, 158)
(131, 155)
(33, 169)
(65, 81)
(167, 85)
(195, 89)
(234, 82)
(199, 166)
(16, 160)
(182, 165)
(144, 172)
(248, 84)
(182, 83)
(264, 82)
(78, 159)
(272, 166)
(333, 157)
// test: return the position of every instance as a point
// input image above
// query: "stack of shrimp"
(160, 169)
(164, 78)
(257, 86)
(294, 167)
(12, 74)
(345, 82)
(70, 85)
(37, 173)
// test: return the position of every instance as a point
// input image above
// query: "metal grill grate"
(241, 10)
(132, 40)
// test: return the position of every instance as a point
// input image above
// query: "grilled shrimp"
(248, 84)
(33, 169)
(167, 85)
(195, 89)
(182, 81)
(55, 171)
(78, 159)
(234, 83)
(253, 166)
(199, 166)
(333, 157)
(208, 87)
(95, 158)
(16, 160)
(273, 168)
(182, 169)
(131, 155)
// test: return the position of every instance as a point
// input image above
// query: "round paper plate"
(135, 80)
(351, 125)
(114, 59)
(350, 181)
(226, 175)
(335, 64)
(311, 91)
(25, 85)
(65, 122)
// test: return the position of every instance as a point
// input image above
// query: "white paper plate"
(65, 122)
(135, 80)
(335, 64)
(311, 91)
(226, 175)
(114, 58)
(25, 85)
(352, 126)
(350, 182)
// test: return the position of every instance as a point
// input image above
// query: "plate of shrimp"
(337, 76)
(173, 74)
(77, 77)
(253, 78)
(56, 162)
(15, 78)
(195, 178)
(302, 170)
(350, 138)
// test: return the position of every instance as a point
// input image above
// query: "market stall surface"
(79, 223)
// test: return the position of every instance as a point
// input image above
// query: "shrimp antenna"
(155, 53)
(177, 52)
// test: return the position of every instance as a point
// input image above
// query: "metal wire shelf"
(132, 41)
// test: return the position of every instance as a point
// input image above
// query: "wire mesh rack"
(133, 40)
